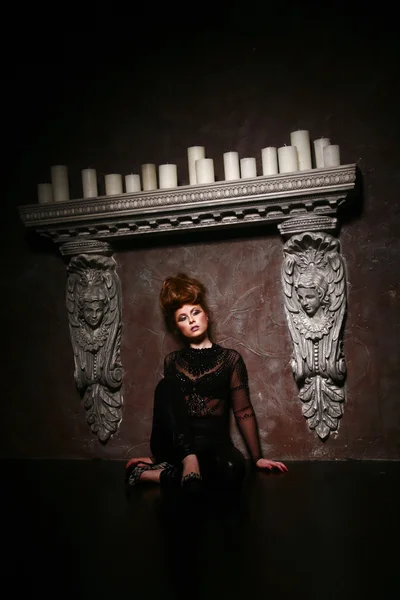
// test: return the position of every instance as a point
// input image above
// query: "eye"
(197, 311)
(181, 318)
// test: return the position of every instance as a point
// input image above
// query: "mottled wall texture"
(238, 86)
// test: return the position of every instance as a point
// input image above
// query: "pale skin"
(192, 322)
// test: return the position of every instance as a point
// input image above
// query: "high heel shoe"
(134, 472)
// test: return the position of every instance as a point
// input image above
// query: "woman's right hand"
(134, 461)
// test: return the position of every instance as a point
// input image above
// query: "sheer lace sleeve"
(243, 409)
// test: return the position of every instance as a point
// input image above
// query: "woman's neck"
(201, 344)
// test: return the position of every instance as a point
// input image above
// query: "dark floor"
(324, 530)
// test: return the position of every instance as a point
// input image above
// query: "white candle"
(248, 168)
(149, 176)
(231, 166)
(89, 183)
(331, 156)
(168, 176)
(269, 161)
(59, 180)
(132, 183)
(194, 153)
(45, 193)
(288, 160)
(301, 139)
(113, 184)
(319, 146)
(205, 170)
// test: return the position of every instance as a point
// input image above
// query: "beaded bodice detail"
(214, 380)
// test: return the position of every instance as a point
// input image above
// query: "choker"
(201, 353)
(201, 350)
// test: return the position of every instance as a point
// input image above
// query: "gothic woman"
(202, 382)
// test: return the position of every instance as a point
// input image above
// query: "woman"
(190, 438)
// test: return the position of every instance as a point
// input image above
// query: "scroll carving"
(314, 285)
(94, 311)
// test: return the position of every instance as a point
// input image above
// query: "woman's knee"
(170, 419)
(169, 389)
(166, 386)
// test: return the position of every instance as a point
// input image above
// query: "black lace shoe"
(134, 472)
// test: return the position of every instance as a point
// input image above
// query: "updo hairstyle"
(177, 291)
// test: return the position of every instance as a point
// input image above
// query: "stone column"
(314, 293)
(93, 300)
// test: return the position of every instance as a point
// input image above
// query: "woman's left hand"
(263, 463)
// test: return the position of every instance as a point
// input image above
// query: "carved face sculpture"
(309, 299)
(93, 312)
(311, 291)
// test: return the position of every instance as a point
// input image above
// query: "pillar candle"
(319, 146)
(288, 160)
(269, 161)
(194, 153)
(149, 176)
(205, 170)
(231, 166)
(168, 176)
(132, 183)
(248, 168)
(59, 180)
(89, 183)
(45, 193)
(301, 139)
(113, 184)
(331, 156)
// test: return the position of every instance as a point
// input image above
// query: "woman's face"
(191, 321)
(309, 300)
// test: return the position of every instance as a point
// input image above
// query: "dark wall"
(93, 100)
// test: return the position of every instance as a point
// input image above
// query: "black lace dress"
(192, 407)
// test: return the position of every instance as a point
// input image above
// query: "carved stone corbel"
(93, 301)
(314, 286)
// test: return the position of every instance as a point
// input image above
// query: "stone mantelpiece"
(303, 205)
(269, 199)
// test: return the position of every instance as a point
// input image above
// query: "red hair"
(177, 291)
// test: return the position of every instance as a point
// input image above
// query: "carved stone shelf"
(266, 199)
